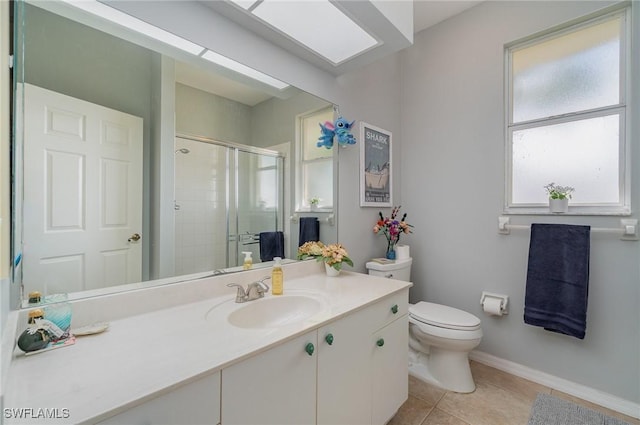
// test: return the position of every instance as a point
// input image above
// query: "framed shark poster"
(375, 166)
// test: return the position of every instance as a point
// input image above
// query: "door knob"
(134, 238)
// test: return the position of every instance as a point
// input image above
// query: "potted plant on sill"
(314, 202)
(558, 197)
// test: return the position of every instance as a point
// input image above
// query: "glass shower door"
(201, 187)
(259, 201)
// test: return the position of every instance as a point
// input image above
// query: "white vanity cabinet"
(390, 369)
(195, 403)
(276, 387)
(350, 377)
(344, 376)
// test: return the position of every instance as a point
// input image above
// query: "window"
(566, 94)
(267, 181)
(315, 171)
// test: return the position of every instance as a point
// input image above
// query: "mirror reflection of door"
(82, 194)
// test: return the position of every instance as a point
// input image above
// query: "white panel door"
(82, 194)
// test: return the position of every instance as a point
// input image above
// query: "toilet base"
(445, 369)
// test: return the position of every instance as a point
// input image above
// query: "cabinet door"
(196, 403)
(344, 374)
(389, 371)
(275, 387)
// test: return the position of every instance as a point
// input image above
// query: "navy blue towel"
(558, 278)
(309, 230)
(271, 245)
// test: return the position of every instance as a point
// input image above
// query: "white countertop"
(145, 355)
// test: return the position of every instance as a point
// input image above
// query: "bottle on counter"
(248, 261)
(35, 314)
(277, 277)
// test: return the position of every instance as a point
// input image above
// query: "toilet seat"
(443, 316)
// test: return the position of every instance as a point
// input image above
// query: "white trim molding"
(581, 391)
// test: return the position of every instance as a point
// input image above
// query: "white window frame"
(623, 207)
(302, 205)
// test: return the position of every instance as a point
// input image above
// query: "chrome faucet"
(254, 290)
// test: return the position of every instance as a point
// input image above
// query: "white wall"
(452, 167)
(371, 95)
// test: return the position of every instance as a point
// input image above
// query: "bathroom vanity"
(330, 350)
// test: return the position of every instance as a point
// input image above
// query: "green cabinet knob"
(329, 339)
(380, 342)
(394, 308)
(309, 348)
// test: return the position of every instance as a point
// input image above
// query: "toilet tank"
(399, 269)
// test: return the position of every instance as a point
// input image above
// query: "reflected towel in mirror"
(309, 230)
(271, 245)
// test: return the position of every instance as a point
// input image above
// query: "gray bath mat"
(550, 410)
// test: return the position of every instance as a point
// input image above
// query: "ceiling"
(426, 13)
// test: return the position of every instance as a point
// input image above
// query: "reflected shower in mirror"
(137, 162)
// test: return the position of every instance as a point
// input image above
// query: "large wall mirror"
(139, 164)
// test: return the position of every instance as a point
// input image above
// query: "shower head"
(183, 150)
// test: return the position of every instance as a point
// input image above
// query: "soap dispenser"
(277, 277)
(248, 261)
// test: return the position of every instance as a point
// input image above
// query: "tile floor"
(499, 399)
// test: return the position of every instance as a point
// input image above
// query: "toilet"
(440, 337)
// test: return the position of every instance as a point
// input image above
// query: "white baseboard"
(609, 401)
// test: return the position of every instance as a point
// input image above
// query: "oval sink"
(275, 311)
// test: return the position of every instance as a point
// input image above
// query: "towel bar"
(330, 219)
(628, 229)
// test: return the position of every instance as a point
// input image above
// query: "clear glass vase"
(391, 251)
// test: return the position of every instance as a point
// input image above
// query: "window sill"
(573, 211)
(315, 210)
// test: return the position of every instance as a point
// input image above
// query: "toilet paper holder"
(504, 300)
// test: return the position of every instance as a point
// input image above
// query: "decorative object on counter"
(42, 334)
(331, 272)
(59, 311)
(340, 129)
(558, 197)
(375, 167)
(332, 256)
(392, 228)
(92, 329)
(33, 339)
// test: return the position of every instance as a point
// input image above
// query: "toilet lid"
(443, 316)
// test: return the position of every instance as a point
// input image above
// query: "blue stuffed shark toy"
(341, 128)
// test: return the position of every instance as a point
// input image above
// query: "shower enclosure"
(225, 196)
